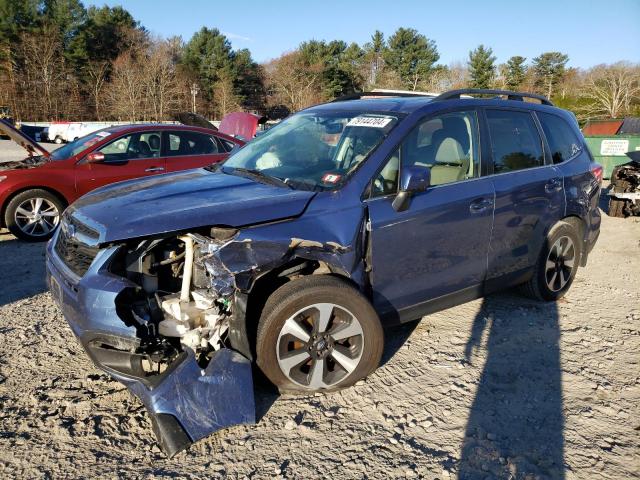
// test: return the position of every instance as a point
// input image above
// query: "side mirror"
(95, 157)
(412, 180)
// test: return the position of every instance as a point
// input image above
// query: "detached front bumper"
(185, 402)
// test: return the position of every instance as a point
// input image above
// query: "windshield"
(314, 151)
(77, 146)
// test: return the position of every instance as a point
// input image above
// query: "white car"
(57, 131)
(77, 130)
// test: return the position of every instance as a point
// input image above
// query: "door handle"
(479, 206)
(155, 169)
(553, 185)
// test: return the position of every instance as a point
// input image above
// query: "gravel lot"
(496, 388)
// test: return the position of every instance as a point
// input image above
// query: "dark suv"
(297, 250)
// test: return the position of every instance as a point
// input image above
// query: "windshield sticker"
(103, 134)
(331, 178)
(373, 122)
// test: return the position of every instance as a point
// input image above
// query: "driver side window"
(447, 144)
(131, 147)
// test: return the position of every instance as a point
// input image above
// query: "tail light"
(597, 171)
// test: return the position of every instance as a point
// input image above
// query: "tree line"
(60, 60)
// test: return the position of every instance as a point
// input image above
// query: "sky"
(590, 32)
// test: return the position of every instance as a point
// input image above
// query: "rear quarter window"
(563, 141)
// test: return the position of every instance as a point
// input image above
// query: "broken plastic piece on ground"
(189, 403)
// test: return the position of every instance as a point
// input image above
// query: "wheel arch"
(268, 282)
(52, 191)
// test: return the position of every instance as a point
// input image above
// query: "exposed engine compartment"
(29, 162)
(625, 189)
(175, 305)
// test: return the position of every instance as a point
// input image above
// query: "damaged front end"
(624, 194)
(159, 323)
(168, 315)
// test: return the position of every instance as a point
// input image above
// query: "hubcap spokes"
(37, 217)
(560, 263)
(320, 345)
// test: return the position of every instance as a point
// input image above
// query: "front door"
(130, 156)
(439, 245)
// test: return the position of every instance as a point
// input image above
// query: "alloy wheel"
(37, 217)
(319, 346)
(560, 263)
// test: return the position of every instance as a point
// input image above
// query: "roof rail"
(520, 96)
(383, 93)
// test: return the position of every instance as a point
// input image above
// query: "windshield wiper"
(260, 176)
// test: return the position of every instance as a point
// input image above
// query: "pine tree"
(549, 69)
(515, 72)
(481, 67)
(411, 55)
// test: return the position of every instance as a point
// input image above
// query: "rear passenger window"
(562, 140)
(515, 141)
(192, 143)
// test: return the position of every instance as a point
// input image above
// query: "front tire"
(318, 333)
(33, 215)
(557, 264)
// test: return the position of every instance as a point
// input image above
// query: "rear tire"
(299, 352)
(557, 263)
(33, 215)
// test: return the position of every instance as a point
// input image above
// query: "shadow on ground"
(515, 426)
(22, 267)
(395, 337)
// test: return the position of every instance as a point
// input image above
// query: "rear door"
(188, 149)
(529, 192)
(439, 245)
(130, 156)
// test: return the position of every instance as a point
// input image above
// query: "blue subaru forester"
(366, 211)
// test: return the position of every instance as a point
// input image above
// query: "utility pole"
(194, 92)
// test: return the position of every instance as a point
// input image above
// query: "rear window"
(562, 140)
(515, 141)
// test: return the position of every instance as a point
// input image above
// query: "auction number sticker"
(373, 122)
(614, 147)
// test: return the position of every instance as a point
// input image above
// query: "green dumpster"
(609, 150)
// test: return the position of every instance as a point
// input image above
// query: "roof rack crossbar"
(359, 95)
(520, 96)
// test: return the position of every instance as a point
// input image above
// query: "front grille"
(73, 248)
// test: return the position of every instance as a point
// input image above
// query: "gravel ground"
(497, 388)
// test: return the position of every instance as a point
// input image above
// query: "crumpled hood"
(184, 200)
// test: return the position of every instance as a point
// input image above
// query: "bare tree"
(223, 95)
(160, 78)
(97, 73)
(611, 89)
(44, 72)
(293, 83)
(125, 95)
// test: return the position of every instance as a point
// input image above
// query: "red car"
(35, 191)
